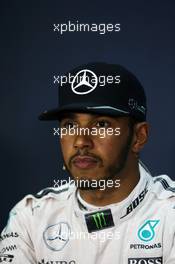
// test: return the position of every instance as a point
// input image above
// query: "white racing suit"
(57, 227)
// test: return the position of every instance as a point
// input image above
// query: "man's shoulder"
(42, 198)
(38, 206)
(163, 188)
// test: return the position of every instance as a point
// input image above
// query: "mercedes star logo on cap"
(84, 79)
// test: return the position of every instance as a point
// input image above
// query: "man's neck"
(128, 181)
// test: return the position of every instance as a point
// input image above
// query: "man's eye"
(102, 123)
(69, 124)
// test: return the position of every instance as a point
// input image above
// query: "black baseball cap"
(100, 88)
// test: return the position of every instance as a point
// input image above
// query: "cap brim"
(56, 113)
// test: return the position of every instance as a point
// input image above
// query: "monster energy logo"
(99, 220)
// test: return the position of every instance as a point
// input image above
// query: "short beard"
(112, 170)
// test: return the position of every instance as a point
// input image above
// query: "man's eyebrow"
(68, 115)
(75, 115)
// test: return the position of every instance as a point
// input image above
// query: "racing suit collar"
(120, 211)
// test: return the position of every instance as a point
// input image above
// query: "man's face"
(92, 156)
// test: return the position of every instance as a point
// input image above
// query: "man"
(112, 210)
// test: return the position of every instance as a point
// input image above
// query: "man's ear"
(140, 137)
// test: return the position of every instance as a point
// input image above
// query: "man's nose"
(83, 141)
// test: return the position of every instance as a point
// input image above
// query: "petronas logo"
(147, 230)
(99, 220)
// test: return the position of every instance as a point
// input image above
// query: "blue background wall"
(31, 53)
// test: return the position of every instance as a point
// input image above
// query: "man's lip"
(85, 162)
